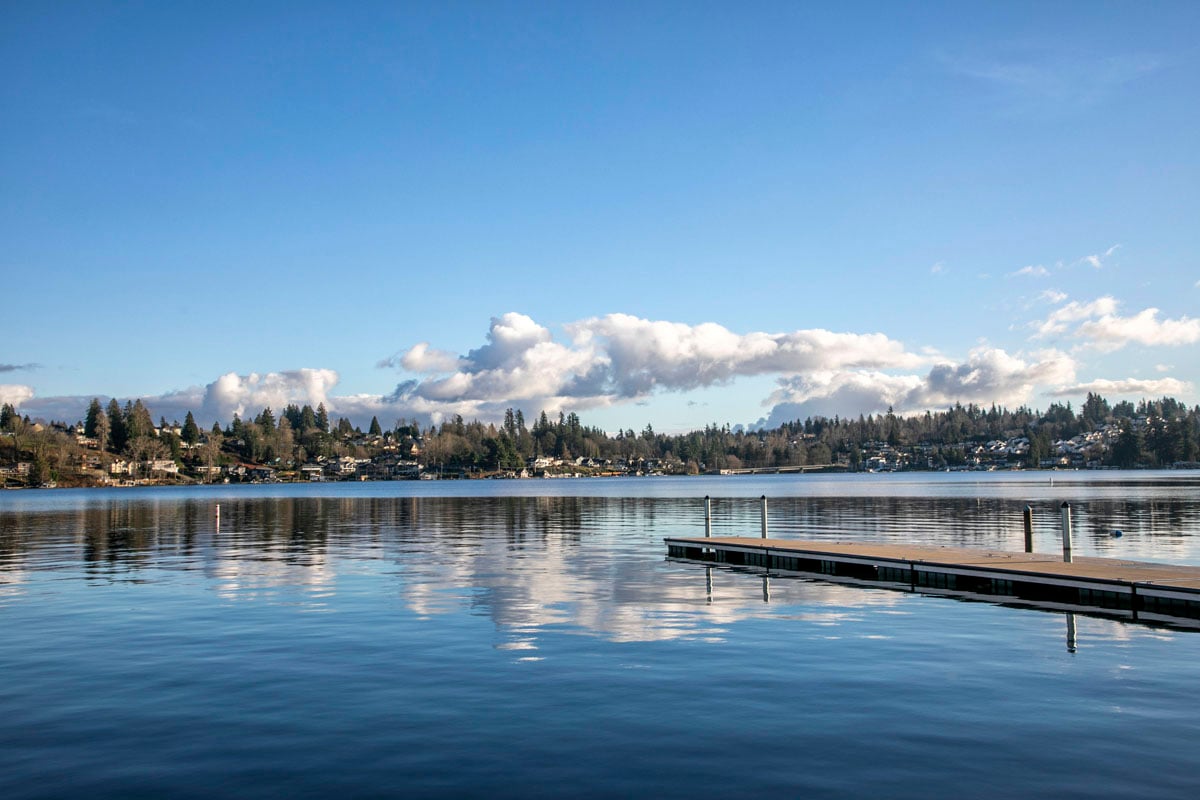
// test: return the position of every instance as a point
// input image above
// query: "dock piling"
(764, 516)
(1028, 529)
(707, 517)
(1066, 531)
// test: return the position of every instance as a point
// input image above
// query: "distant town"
(120, 445)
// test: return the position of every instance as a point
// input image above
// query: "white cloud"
(645, 354)
(1031, 271)
(1096, 260)
(1061, 318)
(229, 394)
(1100, 326)
(1129, 387)
(1053, 296)
(1111, 332)
(937, 269)
(249, 394)
(421, 358)
(1163, 367)
(989, 375)
(621, 357)
(15, 394)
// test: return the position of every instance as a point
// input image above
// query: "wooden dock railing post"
(1028, 529)
(764, 516)
(1066, 531)
(707, 517)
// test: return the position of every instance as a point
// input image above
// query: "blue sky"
(665, 213)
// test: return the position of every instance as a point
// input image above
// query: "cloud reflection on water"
(587, 565)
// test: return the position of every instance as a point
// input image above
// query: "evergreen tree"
(375, 429)
(138, 422)
(1188, 440)
(94, 412)
(1164, 440)
(8, 417)
(191, 431)
(1095, 410)
(117, 431)
(1040, 446)
(322, 419)
(1127, 450)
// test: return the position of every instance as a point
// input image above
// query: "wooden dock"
(1139, 589)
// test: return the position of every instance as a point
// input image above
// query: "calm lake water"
(516, 639)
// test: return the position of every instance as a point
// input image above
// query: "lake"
(530, 638)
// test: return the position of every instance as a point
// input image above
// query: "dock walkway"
(1136, 587)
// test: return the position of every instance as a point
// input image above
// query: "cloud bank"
(620, 358)
(989, 375)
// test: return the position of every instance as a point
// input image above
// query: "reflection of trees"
(587, 563)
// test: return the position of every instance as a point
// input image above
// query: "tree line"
(1152, 433)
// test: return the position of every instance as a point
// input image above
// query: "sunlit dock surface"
(1141, 590)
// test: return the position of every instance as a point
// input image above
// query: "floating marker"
(1028, 529)
(1066, 531)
